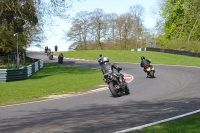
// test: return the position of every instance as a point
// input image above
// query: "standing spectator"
(46, 48)
(56, 48)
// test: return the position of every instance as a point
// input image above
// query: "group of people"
(48, 49)
(108, 67)
(50, 53)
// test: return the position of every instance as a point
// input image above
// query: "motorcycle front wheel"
(113, 90)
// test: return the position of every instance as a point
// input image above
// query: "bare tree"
(112, 24)
(137, 12)
(124, 29)
(79, 31)
(99, 26)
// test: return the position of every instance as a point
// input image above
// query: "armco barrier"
(3, 73)
(171, 51)
(22, 73)
(16, 74)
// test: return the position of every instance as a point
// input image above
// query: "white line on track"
(158, 122)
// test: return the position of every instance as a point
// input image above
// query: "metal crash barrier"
(172, 51)
(21, 73)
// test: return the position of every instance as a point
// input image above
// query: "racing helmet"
(142, 58)
(105, 59)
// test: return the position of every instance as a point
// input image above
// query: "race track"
(174, 91)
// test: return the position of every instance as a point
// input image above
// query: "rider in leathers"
(108, 67)
(100, 59)
(144, 63)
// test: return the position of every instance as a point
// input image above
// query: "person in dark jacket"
(46, 48)
(145, 62)
(100, 59)
(60, 58)
(61, 55)
(108, 67)
(56, 48)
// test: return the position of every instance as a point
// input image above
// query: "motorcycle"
(45, 51)
(116, 89)
(60, 60)
(150, 71)
(51, 57)
(48, 53)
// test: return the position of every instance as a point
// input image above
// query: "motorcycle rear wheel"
(152, 73)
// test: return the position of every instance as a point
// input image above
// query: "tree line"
(99, 30)
(177, 28)
(180, 24)
(26, 18)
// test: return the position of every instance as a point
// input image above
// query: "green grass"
(134, 57)
(50, 80)
(189, 124)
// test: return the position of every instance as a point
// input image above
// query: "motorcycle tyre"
(152, 74)
(60, 61)
(113, 91)
(127, 91)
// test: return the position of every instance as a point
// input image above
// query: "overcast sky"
(56, 33)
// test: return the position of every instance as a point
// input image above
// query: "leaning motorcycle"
(51, 57)
(150, 71)
(60, 60)
(116, 89)
(45, 50)
(48, 53)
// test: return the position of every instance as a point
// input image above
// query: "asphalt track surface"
(174, 91)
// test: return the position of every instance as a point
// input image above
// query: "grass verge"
(50, 80)
(189, 124)
(134, 56)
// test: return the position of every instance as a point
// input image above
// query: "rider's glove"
(119, 68)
